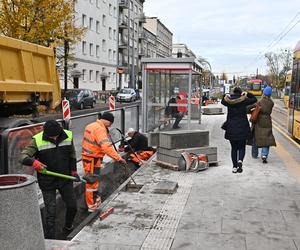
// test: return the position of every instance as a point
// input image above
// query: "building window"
(84, 74)
(114, 56)
(135, 9)
(91, 23)
(97, 3)
(97, 76)
(91, 75)
(110, 9)
(97, 50)
(109, 32)
(84, 47)
(91, 1)
(97, 26)
(131, 23)
(91, 49)
(109, 55)
(131, 5)
(115, 34)
(84, 20)
(103, 45)
(104, 1)
(115, 12)
(103, 20)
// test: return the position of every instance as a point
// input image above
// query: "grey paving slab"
(242, 227)
(258, 209)
(255, 242)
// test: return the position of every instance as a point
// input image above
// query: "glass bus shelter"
(166, 78)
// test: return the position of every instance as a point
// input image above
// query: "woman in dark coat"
(263, 136)
(237, 129)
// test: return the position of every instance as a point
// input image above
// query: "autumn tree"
(278, 66)
(42, 22)
(224, 77)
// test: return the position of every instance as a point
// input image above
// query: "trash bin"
(20, 218)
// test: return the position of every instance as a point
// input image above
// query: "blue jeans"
(254, 150)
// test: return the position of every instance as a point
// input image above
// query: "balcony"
(123, 44)
(142, 53)
(142, 36)
(123, 24)
(124, 4)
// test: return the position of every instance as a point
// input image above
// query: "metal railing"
(14, 140)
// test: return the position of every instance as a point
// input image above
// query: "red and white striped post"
(112, 103)
(66, 110)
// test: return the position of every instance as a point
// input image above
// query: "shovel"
(64, 176)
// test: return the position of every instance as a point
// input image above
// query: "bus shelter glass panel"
(162, 86)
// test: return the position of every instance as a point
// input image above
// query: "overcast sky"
(230, 34)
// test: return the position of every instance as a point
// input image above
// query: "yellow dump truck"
(28, 77)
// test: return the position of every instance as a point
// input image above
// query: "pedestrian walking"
(53, 148)
(262, 129)
(237, 129)
(96, 144)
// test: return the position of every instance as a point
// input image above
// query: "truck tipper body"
(28, 77)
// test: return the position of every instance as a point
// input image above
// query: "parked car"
(126, 95)
(80, 98)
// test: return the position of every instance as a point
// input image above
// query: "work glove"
(74, 174)
(122, 161)
(38, 166)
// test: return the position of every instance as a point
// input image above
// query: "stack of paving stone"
(170, 145)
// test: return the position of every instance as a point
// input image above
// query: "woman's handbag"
(255, 113)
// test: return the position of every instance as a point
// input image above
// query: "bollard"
(20, 218)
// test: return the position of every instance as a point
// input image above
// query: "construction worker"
(95, 145)
(137, 149)
(53, 149)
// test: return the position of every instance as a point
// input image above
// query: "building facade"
(163, 35)
(181, 50)
(96, 54)
(131, 19)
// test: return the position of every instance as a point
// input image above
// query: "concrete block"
(166, 165)
(213, 111)
(20, 217)
(172, 156)
(183, 139)
(166, 187)
(153, 139)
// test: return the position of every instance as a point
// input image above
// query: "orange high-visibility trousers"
(141, 156)
(92, 198)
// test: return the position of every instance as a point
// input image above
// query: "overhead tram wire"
(278, 38)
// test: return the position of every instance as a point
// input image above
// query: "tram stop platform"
(211, 209)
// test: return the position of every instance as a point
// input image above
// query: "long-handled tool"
(64, 176)
(123, 165)
(129, 146)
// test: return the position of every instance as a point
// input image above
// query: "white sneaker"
(234, 170)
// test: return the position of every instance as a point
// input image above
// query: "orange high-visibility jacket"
(96, 142)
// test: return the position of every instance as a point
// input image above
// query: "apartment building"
(149, 43)
(96, 54)
(181, 50)
(163, 35)
(131, 19)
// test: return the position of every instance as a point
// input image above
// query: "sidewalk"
(213, 209)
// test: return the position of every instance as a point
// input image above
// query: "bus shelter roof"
(174, 64)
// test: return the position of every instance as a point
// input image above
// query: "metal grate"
(163, 231)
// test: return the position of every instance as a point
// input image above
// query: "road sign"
(66, 109)
(112, 102)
